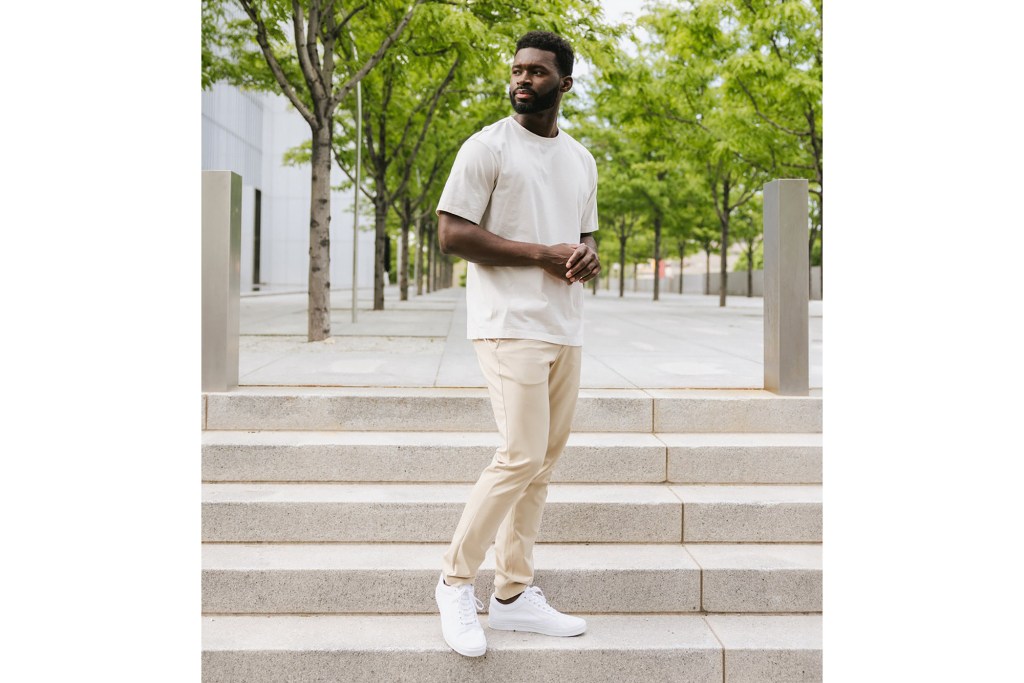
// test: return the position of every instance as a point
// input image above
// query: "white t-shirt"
(526, 188)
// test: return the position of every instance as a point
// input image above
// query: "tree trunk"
(403, 264)
(622, 265)
(635, 278)
(432, 274)
(707, 271)
(403, 255)
(750, 269)
(682, 255)
(319, 321)
(657, 254)
(440, 271)
(429, 271)
(810, 251)
(418, 264)
(723, 281)
(380, 221)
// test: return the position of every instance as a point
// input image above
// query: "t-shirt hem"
(574, 340)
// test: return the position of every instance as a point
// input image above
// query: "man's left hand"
(583, 265)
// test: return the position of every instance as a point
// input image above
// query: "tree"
(381, 154)
(686, 245)
(685, 215)
(750, 234)
(316, 68)
(635, 150)
(707, 238)
(620, 202)
(690, 48)
(779, 71)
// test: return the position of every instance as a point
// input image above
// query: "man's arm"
(465, 239)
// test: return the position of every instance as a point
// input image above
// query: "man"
(520, 205)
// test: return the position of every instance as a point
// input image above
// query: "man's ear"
(566, 84)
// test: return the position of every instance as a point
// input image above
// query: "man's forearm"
(468, 241)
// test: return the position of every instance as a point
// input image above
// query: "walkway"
(682, 341)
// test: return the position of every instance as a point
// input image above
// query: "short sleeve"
(588, 218)
(470, 183)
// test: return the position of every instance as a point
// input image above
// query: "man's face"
(535, 83)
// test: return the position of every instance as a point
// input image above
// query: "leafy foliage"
(688, 115)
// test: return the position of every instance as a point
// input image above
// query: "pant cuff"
(509, 590)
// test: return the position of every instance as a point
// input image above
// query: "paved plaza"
(682, 341)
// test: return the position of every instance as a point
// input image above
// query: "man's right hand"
(555, 260)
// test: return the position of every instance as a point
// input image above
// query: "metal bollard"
(222, 247)
(786, 357)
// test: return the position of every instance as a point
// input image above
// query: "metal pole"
(221, 257)
(786, 367)
(358, 186)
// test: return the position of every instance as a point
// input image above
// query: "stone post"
(222, 248)
(786, 358)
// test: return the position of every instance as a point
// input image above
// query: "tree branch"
(312, 32)
(371, 149)
(765, 118)
(349, 175)
(744, 197)
(328, 39)
(408, 121)
(439, 162)
(268, 54)
(309, 72)
(713, 177)
(341, 26)
(377, 56)
(677, 119)
(426, 123)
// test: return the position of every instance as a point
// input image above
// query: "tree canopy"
(688, 114)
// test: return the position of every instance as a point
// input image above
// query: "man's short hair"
(551, 42)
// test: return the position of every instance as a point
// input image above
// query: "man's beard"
(540, 102)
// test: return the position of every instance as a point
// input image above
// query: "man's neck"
(543, 123)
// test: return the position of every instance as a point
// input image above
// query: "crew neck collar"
(533, 136)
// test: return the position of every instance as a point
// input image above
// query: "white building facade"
(248, 133)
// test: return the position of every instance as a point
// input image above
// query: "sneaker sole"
(467, 653)
(529, 628)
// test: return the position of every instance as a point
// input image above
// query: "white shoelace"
(469, 604)
(536, 596)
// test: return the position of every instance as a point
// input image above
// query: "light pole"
(358, 187)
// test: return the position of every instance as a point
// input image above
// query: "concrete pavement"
(682, 341)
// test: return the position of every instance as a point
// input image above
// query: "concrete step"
(423, 513)
(759, 458)
(416, 456)
(436, 409)
(589, 457)
(400, 578)
(574, 513)
(648, 648)
(750, 514)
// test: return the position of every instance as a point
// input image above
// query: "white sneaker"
(531, 612)
(459, 623)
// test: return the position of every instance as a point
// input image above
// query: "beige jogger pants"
(533, 387)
